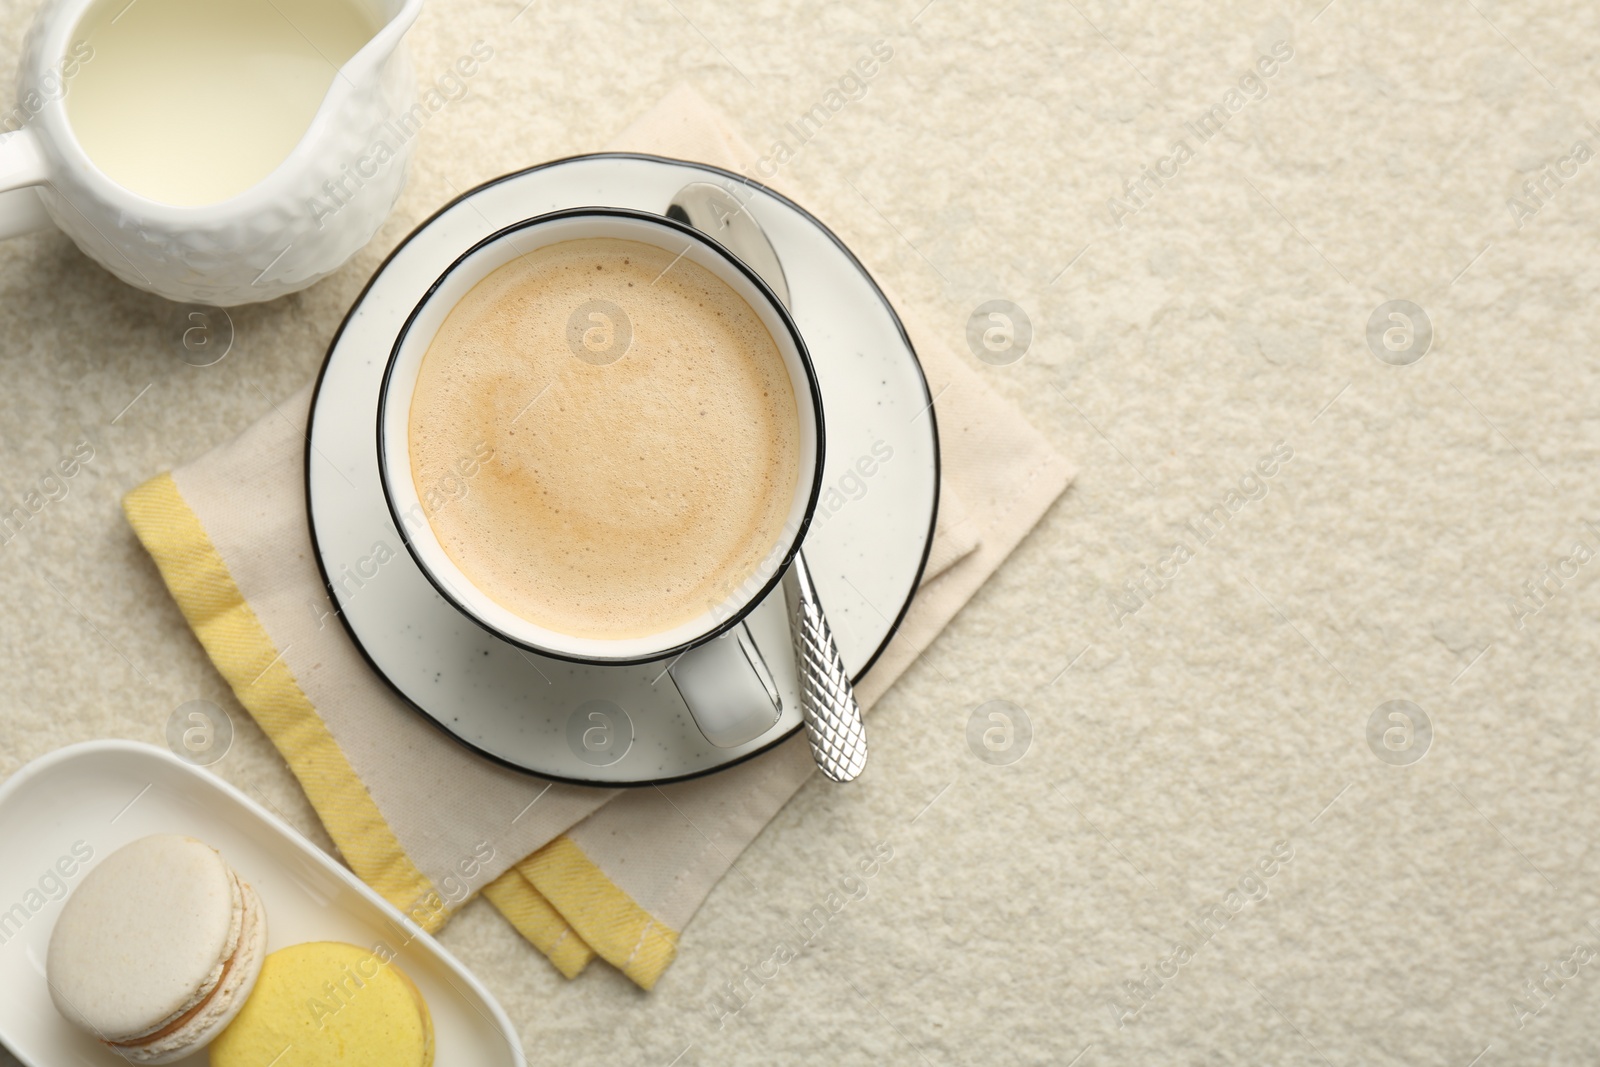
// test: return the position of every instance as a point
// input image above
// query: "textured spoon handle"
(827, 699)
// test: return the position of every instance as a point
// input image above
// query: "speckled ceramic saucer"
(614, 726)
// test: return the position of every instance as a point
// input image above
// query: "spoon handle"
(827, 699)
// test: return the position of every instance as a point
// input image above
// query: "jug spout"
(391, 19)
(351, 164)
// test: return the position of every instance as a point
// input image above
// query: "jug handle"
(22, 165)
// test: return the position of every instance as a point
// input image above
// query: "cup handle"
(728, 689)
(22, 164)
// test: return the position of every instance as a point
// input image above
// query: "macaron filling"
(177, 1024)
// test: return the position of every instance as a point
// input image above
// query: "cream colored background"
(1227, 715)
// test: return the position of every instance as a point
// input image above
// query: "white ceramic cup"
(714, 663)
(259, 245)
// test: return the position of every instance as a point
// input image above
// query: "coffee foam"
(619, 499)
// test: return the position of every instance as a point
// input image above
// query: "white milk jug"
(211, 151)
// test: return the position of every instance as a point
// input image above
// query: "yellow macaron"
(325, 1003)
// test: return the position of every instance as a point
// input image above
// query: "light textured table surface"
(1173, 745)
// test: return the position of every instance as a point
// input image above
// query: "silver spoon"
(827, 698)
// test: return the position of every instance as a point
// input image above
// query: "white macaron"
(157, 949)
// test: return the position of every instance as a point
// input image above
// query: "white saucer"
(614, 726)
(67, 811)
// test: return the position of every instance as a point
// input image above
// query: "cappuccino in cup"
(641, 430)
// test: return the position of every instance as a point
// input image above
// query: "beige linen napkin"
(578, 871)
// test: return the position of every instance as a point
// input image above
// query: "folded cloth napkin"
(579, 872)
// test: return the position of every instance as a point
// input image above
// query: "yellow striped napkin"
(579, 872)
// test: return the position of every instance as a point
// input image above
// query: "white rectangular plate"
(101, 795)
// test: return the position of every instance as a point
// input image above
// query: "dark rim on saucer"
(322, 373)
(817, 467)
